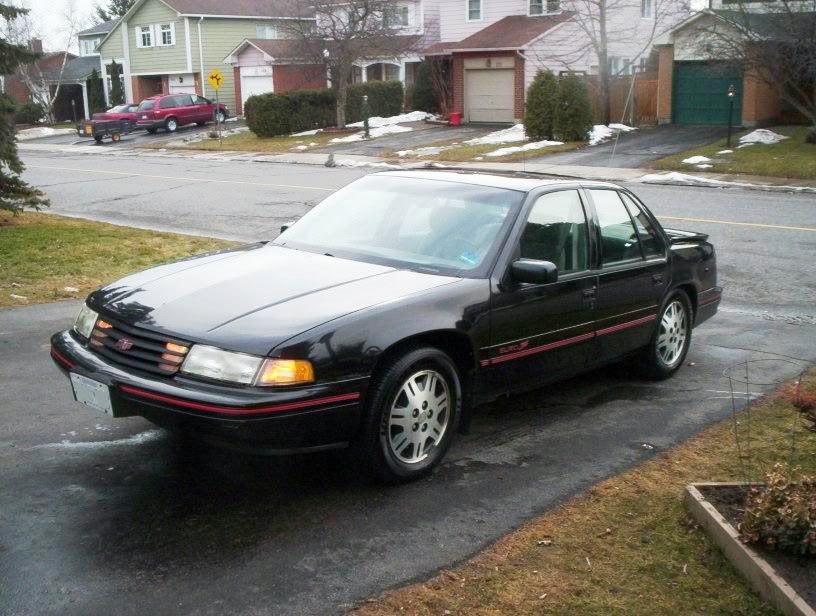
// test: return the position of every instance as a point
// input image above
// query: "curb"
(760, 574)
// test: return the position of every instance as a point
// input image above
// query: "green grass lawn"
(461, 152)
(791, 158)
(626, 546)
(42, 254)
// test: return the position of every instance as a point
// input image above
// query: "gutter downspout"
(201, 56)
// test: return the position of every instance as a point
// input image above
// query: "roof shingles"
(511, 32)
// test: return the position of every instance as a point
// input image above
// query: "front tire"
(171, 125)
(412, 413)
(220, 117)
(671, 339)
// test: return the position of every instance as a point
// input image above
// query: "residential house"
(170, 46)
(694, 80)
(497, 46)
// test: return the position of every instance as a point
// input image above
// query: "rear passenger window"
(619, 240)
(649, 239)
(556, 231)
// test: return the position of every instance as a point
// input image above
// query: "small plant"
(542, 99)
(423, 97)
(573, 115)
(803, 398)
(811, 136)
(29, 113)
(781, 515)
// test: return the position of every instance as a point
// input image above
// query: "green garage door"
(700, 93)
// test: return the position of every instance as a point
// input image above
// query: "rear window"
(147, 105)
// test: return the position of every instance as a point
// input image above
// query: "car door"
(186, 109)
(542, 331)
(633, 275)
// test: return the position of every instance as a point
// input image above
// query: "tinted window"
(649, 239)
(118, 108)
(556, 231)
(168, 101)
(619, 240)
(147, 105)
(184, 100)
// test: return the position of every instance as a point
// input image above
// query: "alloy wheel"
(172, 125)
(219, 117)
(671, 338)
(419, 416)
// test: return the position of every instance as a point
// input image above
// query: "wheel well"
(691, 291)
(455, 344)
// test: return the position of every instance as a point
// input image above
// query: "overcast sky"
(48, 18)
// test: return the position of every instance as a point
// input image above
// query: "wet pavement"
(101, 515)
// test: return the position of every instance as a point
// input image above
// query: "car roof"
(510, 180)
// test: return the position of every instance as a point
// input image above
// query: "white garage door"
(255, 80)
(489, 95)
(182, 84)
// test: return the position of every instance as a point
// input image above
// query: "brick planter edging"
(759, 573)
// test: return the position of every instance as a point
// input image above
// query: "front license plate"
(92, 393)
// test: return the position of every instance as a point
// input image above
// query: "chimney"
(35, 45)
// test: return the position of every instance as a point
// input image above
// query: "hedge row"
(270, 115)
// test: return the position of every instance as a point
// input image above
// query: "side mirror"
(286, 225)
(533, 271)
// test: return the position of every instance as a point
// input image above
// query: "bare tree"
(777, 47)
(599, 29)
(342, 33)
(43, 81)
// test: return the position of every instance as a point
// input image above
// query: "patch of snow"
(136, 439)
(479, 158)
(70, 289)
(419, 152)
(301, 147)
(20, 298)
(388, 129)
(762, 135)
(696, 160)
(42, 131)
(507, 135)
(725, 152)
(744, 145)
(674, 177)
(601, 132)
(357, 164)
(414, 116)
(704, 166)
(307, 133)
(535, 145)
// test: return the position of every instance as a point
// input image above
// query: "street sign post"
(216, 79)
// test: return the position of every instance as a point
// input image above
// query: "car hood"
(253, 298)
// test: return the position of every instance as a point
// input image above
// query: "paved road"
(640, 147)
(99, 516)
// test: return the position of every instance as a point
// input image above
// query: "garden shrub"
(271, 115)
(573, 114)
(29, 113)
(781, 515)
(385, 99)
(542, 98)
(423, 97)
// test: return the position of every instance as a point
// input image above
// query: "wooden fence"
(633, 104)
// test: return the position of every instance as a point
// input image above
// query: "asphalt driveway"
(639, 148)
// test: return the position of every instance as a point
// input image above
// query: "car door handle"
(657, 278)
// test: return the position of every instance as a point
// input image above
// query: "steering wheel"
(455, 247)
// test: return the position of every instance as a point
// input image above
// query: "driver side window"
(619, 240)
(556, 231)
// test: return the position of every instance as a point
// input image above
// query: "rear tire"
(412, 413)
(671, 339)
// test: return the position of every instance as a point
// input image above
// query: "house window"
(266, 31)
(392, 72)
(542, 7)
(167, 35)
(144, 36)
(398, 16)
(474, 10)
(87, 47)
(646, 8)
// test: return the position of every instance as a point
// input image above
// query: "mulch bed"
(798, 571)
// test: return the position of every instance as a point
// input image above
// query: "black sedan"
(389, 311)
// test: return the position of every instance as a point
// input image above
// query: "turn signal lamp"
(285, 372)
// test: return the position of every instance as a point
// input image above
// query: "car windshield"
(432, 225)
(146, 105)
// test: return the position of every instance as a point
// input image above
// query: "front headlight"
(214, 363)
(222, 365)
(84, 323)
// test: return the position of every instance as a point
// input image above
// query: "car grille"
(137, 348)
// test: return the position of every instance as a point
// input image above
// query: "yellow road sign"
(215, 78)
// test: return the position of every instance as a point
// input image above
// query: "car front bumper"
(273, 422)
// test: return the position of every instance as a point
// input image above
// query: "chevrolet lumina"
(380, 318)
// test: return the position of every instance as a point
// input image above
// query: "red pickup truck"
(169, 111)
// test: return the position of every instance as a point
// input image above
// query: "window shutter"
(172, 32)
(138, 31)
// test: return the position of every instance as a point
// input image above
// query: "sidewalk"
(608, 174)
